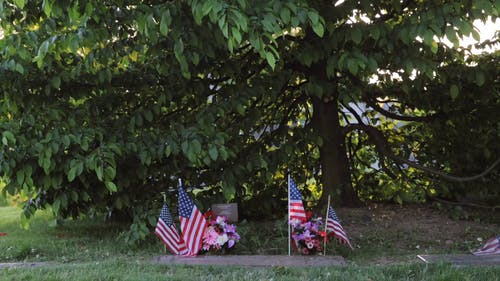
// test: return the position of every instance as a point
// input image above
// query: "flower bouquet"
(219, 236)
(308, 236)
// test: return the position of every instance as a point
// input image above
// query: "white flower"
(222, 239)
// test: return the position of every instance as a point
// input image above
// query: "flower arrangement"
(219, 236)
(308, 236)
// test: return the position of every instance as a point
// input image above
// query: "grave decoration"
(220, 236)
(308, 235)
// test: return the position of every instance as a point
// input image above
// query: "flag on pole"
(333, 225)
(193, 224)
(295, 206)
(165, 230)
(492, 247)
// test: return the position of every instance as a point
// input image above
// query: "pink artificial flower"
(210, 238)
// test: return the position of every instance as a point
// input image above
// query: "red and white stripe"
(296, 210)
(338, 231)
(492, 247)
(193, 229)
(170, 238)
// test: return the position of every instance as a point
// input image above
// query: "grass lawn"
(386, 242)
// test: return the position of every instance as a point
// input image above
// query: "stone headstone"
(228, 210)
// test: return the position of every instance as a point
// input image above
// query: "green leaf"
(56, 205)
(314, 17)
(196, 146)
(434, 47)
(375, 33)
(56, 82)
(72, 174)
(99, 172)
(356, 35)
(213, 152)
(207, 7)
(352, 65)
(165, 22)
(428, 37)
(20, 3)
(185, 146)
(480, 78)
(319, 29)
(19, 68)
(168, 150)
(8, 137)
(111, 186)
(476, 35)
(271, 60)
(20, 177)
(236, 34)
(148, 115)
(179, 49)
(285, 15)
(454, 91)
(110, 172)
(223, 153)
(229, 192)
(452, 36)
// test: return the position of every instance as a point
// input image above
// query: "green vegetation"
(120, 270)
(104, 104)
(89, 250)
(386, 238)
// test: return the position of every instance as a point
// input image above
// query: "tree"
(102, 102)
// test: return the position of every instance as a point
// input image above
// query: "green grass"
(80, 241)
(93, 250)
(130, 270)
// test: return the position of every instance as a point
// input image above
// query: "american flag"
(165, 230)
(492, 247)
(193, 224)
(295, 207)
(333, 225)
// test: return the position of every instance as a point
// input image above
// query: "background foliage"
(105, 103)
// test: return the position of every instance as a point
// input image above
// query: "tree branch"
(380, 142)
(353, 112)
(393, 115)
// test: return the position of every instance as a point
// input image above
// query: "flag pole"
(288, 220)
(180, 182)
(326, 222)
(164, 201)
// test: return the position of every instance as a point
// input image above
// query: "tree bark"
(335, 174)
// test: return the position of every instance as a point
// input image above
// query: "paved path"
(254, 260)
(461, 260)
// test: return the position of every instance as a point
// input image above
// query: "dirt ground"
(393, 231)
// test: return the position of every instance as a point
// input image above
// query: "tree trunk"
(335, 174)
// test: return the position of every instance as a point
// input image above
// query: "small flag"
(193, 224)
(295, 206)
(165, 230)
(492, 247)
(333, 225)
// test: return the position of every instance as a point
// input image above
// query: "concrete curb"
(253, 260)
(461, 260)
